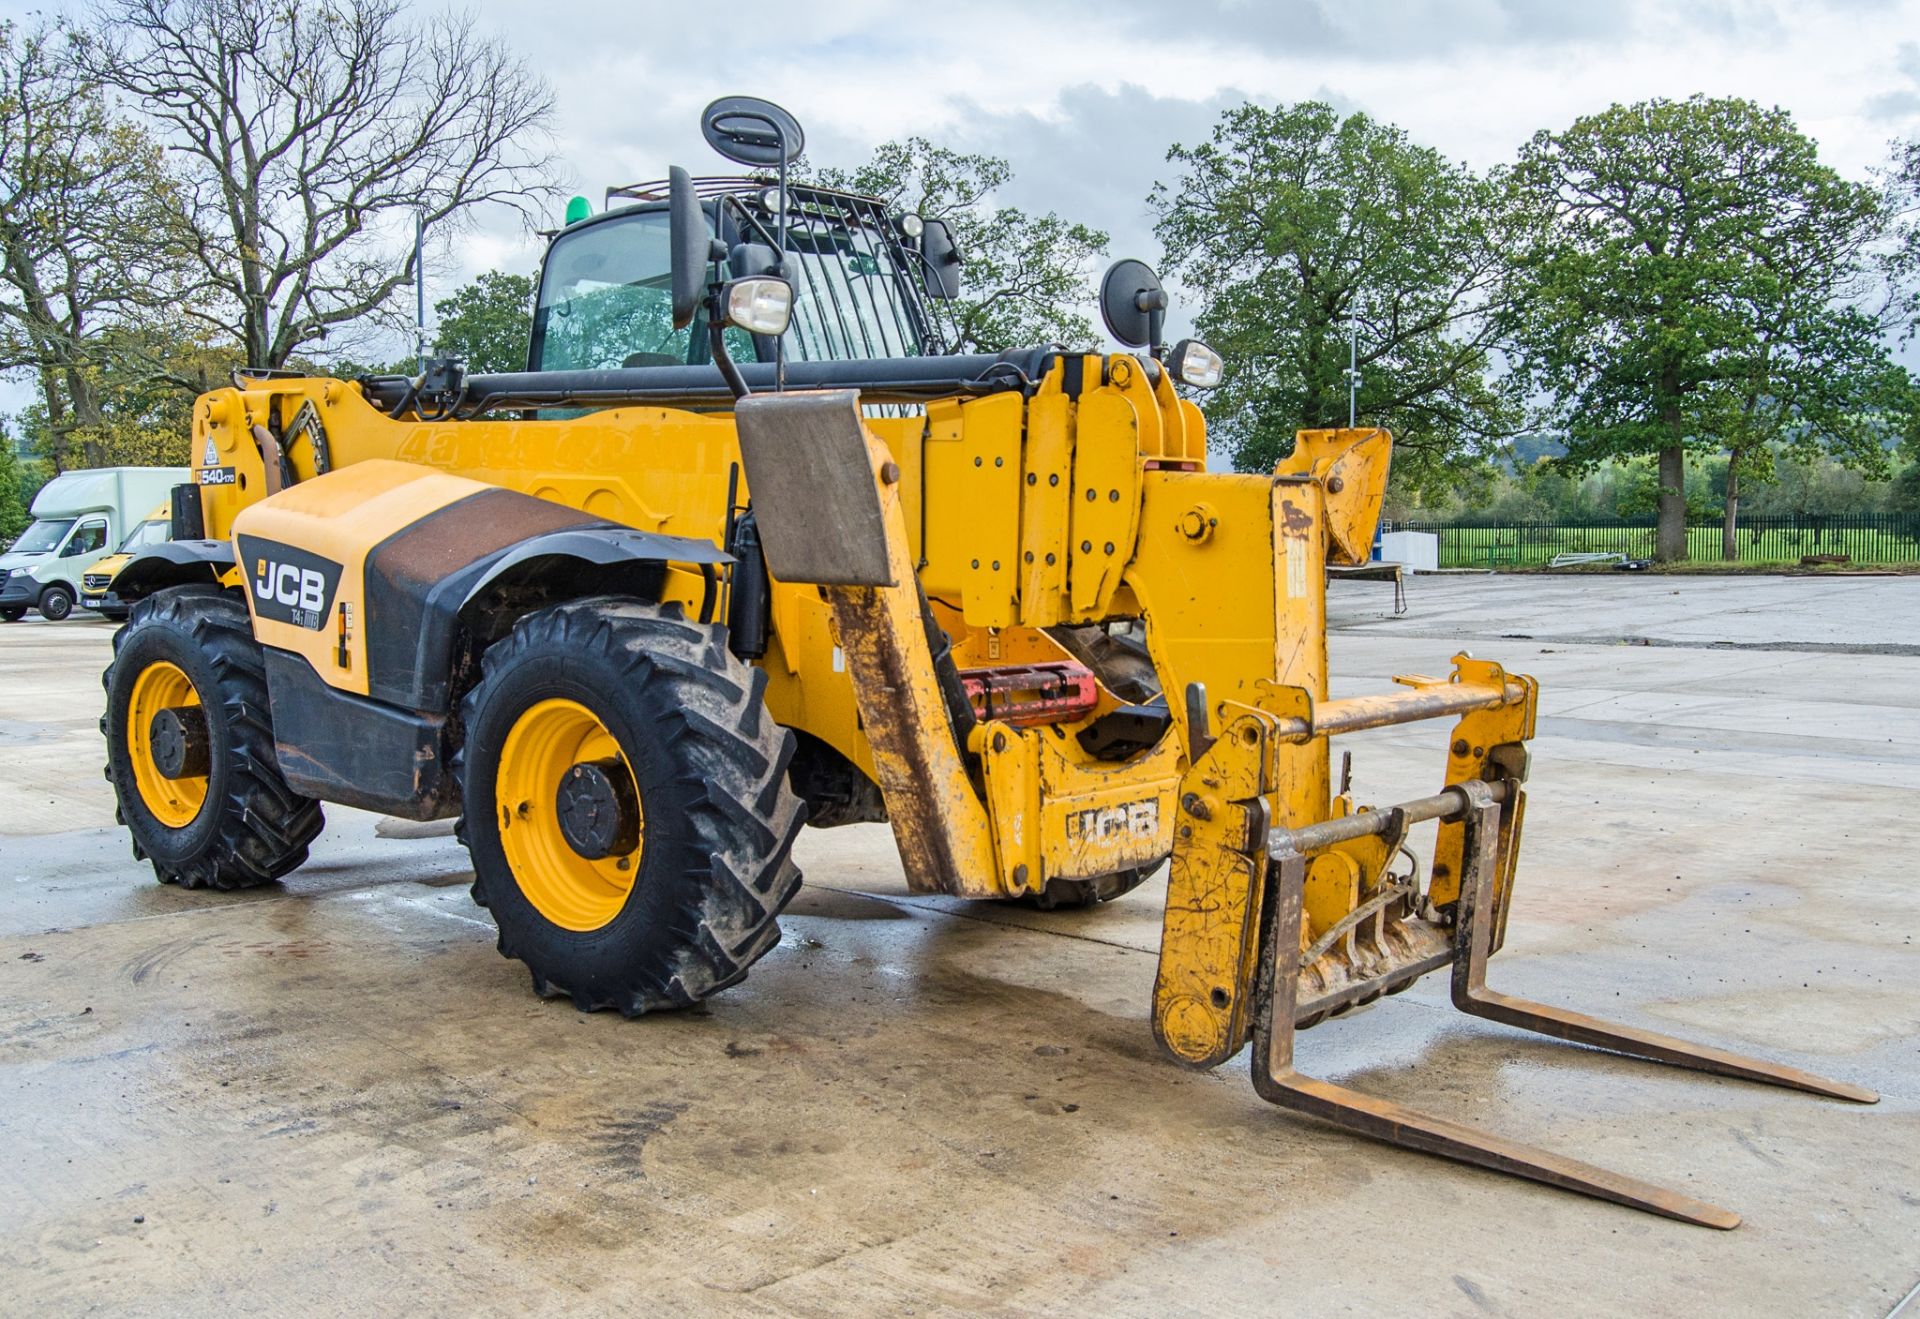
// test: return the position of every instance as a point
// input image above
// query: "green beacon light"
(578, 209)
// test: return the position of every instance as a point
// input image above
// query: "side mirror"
(940, 268)
(692, 248)
(1133, 303)
(750, 131)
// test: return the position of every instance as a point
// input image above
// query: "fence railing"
(1865, 538)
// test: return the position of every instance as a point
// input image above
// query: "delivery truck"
(79, 518)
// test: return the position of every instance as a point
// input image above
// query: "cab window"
(606, 300)
(88, 537)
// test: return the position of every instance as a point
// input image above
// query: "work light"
(760, 305)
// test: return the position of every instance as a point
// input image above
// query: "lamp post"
(1353, 373)
(420, 287)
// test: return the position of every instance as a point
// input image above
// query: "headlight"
(760, 305)
(912, 225)
(1195, 364)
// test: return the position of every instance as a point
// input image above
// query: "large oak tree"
(1693, 278)
(1294, 226)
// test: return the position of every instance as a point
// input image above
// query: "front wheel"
(13, 613)
(627, 805)
(190, 746)
(56, 602)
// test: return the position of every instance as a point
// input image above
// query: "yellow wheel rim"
(173, 802)
(546, 741)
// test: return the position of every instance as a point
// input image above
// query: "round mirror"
(1132, 302)
(750, 131)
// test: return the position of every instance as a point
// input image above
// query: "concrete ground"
(333, 1094)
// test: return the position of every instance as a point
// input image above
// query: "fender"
(374, 589)
(478, 603)
(173, 563)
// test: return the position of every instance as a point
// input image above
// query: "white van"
(78, 519)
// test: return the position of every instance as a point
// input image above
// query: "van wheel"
(13, 613)
(56, 602)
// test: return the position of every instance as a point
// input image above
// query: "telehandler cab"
(748, 546)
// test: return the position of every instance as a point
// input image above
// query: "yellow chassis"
(1082, 499)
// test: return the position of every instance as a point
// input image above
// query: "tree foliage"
(1293, 226)
(91, 248)
(1026, 278)
(488, 322)
(1692, 277)
(20, 480)
(309, 134)
(1900, 264)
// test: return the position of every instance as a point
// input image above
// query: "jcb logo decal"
(289, 585)
(1128, 821)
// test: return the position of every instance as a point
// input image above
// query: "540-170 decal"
(289, 585)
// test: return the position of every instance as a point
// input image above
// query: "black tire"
(13, 613)
(1068, 894)
(709, 767)
(253, 828)
(56, 602)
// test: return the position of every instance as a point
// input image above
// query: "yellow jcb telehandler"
(746, 547)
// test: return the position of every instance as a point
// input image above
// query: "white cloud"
(1084, 103)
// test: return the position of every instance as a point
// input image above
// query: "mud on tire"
(709, 766)
(252, 828)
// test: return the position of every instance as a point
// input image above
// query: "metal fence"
(1865, 538)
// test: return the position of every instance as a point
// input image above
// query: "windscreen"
(606, 300)
(606, 289)
(154, 531)
(43, 536)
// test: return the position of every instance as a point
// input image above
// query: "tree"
(19, 482)
(90, 240)
(1900, 264)
(1299, 225)
(488, 322)
(1026, 277)
(310, 134)
(1693, 278)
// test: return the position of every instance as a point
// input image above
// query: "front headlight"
(760, 304)
(1195, 364)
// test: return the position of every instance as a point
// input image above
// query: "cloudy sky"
(1085, 100)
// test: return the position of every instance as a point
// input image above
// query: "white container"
(1417, 551)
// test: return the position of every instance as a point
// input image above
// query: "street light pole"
(1353, 373)
(420, 287)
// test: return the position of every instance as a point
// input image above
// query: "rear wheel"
(56, 602)
(190, 746)
(627, 805)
